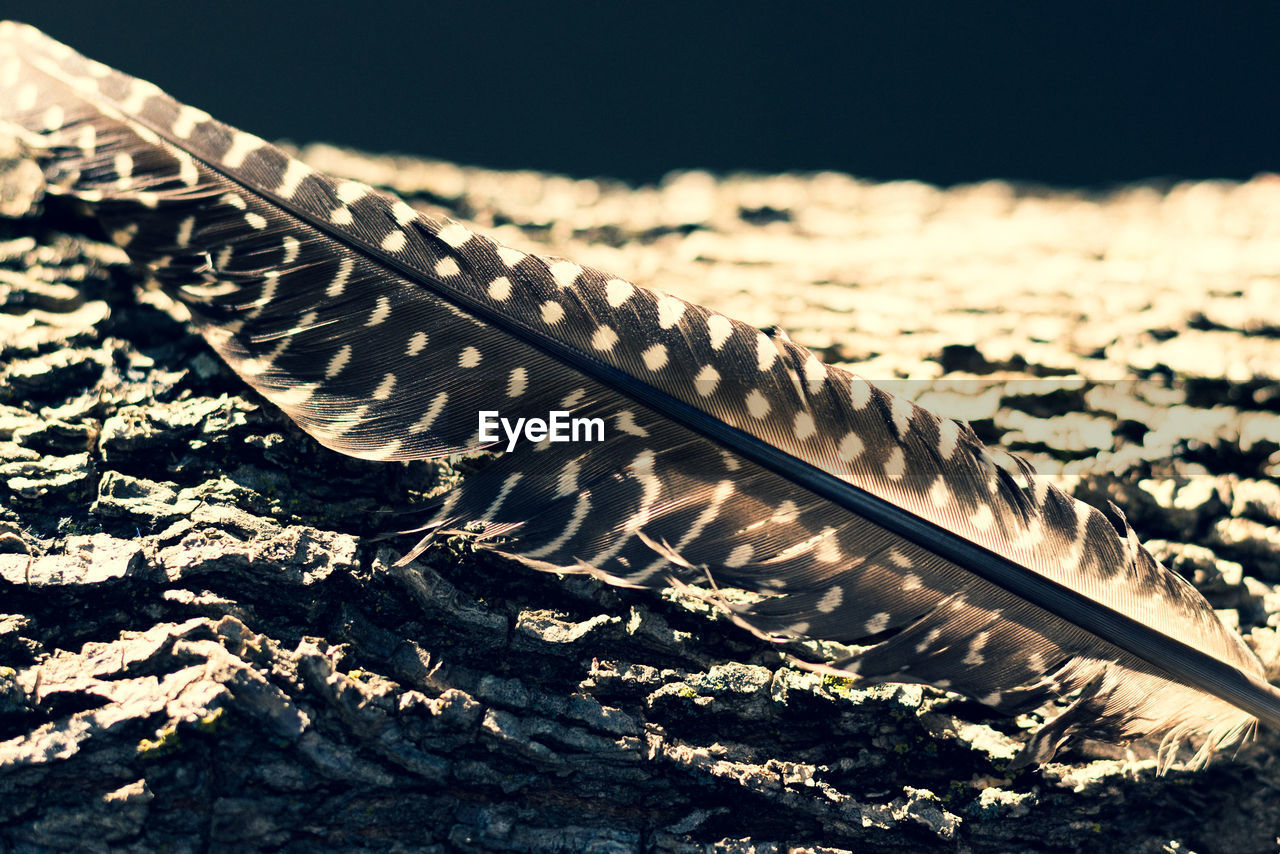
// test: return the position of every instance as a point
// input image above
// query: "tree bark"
(205, 643)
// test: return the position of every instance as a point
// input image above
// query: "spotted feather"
(728, 455)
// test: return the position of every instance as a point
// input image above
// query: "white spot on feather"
(786, 513)
(626, 423)
(927, 642)
(939, 495)
(339, 283)
(188, 118)
(394, 242)
(350, 192)
(804, 426)
(517, 382)
(655, 358)
(766, 352)
(827, 550)
(899, 558)
(341, 216)
(723, 492)
(87, 140)
(877, 624)
(509, 256)
(720, 329)
(242, 145)
(416, 343)
(123, 165)
(270, 279)
(670, 310)
(447, 267)
(140, 91)
(567, 482)
(983, 519)
(604, 338)
(815, 373)
(552, 312)
(974, 657)
(381, 311)
(291, 246)
(292, 397)
(707, 380)
(507, 485)
(901, 411)
(1033, 535)
(1069, 558)
(294, 174)
(386, 452)
(851, 447)
(859, 392)
(256, 221)
(183, 237)
(124, 236)
(469, 357)
(757, 404)
(740, 555)
(618, 291)
(306, 323)
(565, 273)
(188, 174)
(581, 509)
(831, 600)
(453, 234)
(500, 288)
(384, 389)
(54, 117)
(895, 465)
(404, 213)
(948, 438)
(433, 412)
(1039, 490)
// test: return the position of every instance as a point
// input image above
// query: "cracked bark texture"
(205, 644)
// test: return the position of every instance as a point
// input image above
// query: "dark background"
(1069, 94)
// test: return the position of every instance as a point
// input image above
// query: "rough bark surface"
(205, 645)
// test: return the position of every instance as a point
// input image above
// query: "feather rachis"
(316, 291)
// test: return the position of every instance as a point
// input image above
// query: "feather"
(719, 454)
